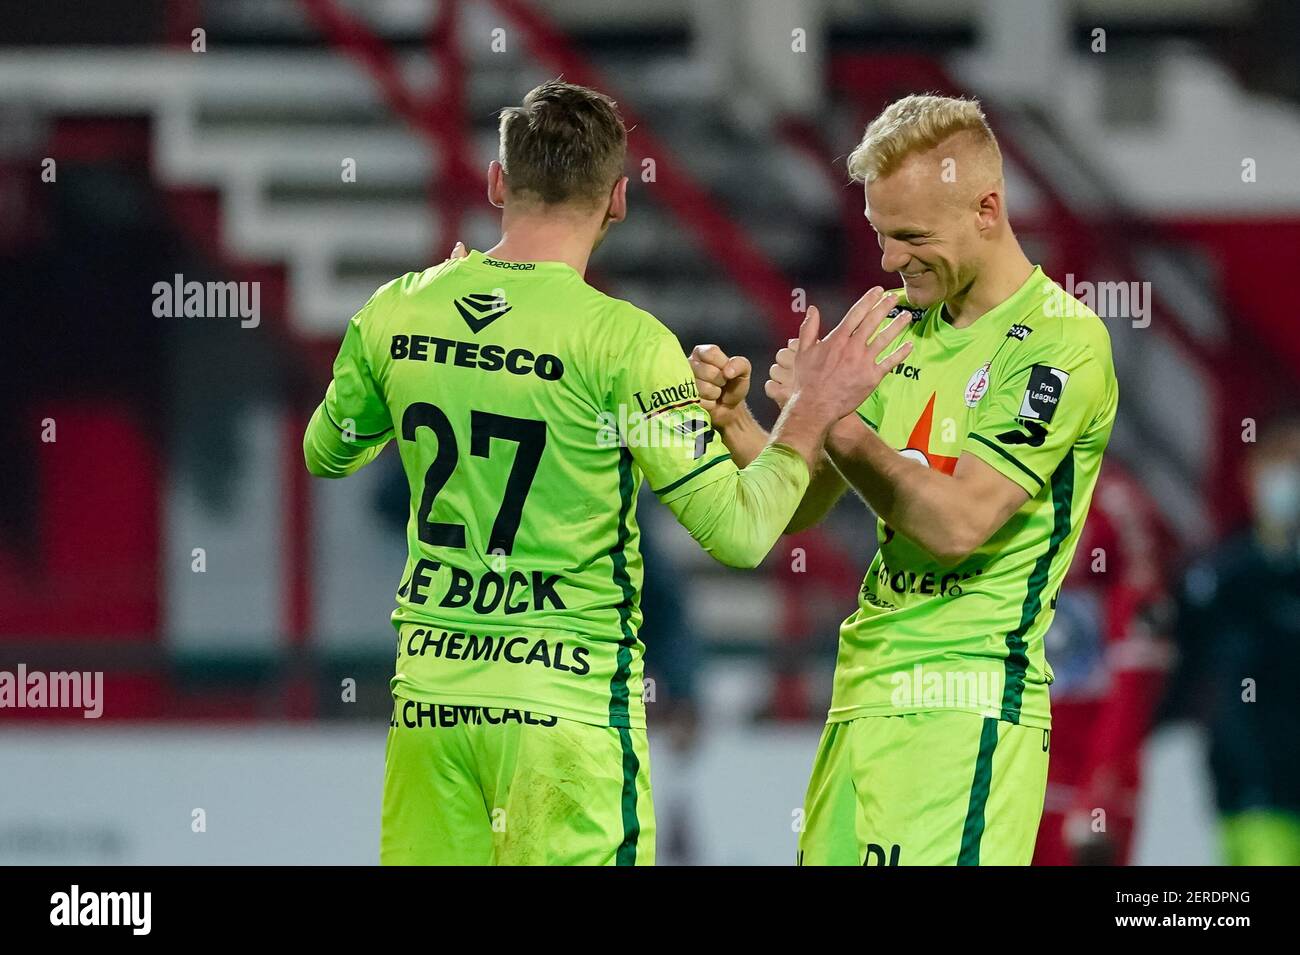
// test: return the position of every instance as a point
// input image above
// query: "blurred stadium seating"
(180, 436)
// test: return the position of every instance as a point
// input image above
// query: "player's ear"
(618, 201)
(988, 209)
(496, 184)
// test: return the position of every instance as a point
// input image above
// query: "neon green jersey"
(527, 407)
(1029, 389)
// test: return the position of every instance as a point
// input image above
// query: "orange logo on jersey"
(918, 445)
(918, 449)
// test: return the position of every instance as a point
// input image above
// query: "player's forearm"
(739, 518)
(745, 439)
(921, 504)
(803, 427)
(327, 451)
(825, 488)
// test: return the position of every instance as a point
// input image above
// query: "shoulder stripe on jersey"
(358, 437)
(685, 402)
(618, 683)
(1017, 661)
(983, 440)
(869, 423)
(973, 830)
(700, 470)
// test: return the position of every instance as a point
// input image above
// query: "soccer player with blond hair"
(978, 455)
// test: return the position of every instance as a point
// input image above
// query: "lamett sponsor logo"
(677, 394)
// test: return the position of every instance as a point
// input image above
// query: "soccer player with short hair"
(978, 455)
(527, 408)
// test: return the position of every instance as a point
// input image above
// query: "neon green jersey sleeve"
(1051, 397)
(739, 518)
(352, 425)
(735, 515)
(661, 420)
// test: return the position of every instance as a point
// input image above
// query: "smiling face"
(931, 222)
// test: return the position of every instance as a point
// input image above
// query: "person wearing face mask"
(1238, 632)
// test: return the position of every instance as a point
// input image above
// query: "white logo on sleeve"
(978, 385)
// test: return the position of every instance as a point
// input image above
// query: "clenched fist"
(781, 374)
(722, 382)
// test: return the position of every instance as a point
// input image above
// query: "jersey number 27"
(484, 426)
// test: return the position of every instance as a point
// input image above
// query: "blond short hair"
(915, 124)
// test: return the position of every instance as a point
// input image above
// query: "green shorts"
(937, 788)
(477, 785)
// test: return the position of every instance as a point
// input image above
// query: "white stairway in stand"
(203, 135)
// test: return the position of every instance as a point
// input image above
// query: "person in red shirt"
(1109, 663)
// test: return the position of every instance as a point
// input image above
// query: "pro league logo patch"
(1046, 385)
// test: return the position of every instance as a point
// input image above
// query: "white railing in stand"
(311, 238)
